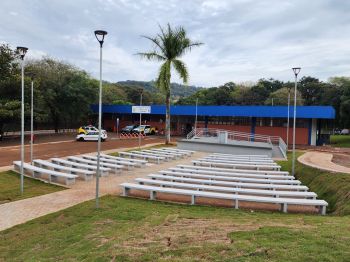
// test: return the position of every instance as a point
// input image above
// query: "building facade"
(313, 123)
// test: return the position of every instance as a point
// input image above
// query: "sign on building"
(141, 109)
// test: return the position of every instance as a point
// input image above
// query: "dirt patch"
(341, 159)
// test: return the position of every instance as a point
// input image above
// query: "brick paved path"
(21, 211)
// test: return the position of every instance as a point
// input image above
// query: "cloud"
(244, 40)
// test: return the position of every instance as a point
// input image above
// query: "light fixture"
(22, 51)
(100, 36)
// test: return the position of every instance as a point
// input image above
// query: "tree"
(280, 97)
(169, 46)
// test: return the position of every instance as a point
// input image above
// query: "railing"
(240, 136)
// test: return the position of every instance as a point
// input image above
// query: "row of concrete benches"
(239, 184)
(67, 170)
(157, 155)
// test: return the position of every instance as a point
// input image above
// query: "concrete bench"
(232, 173)
(137, 162)
(157, 159)
(82, 173)
(156, 153)
(163, 152)
(233, 159)
(215, 176)
(220, 169)
(229, 184)
(103, 170)
(243, 166)
(115, 167)
(189, 152)
(214, 160)
(37, 172)
(273, 193)
(248, 156)
(163, 157)
(283, 202)
(125, 164)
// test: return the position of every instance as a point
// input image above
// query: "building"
(312, 126)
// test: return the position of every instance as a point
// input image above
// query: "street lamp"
(289, 88)
(22, 52)
(296, 71)
(100, 35)
(141, 92)
(32, 75)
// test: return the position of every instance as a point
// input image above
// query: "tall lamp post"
(289, 88)
(22, 52)
(296, 71)
(100, 35)
(141, 92)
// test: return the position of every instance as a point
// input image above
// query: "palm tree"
(169, 46)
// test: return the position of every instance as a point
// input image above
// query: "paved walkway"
(323, 161)
(21, 211)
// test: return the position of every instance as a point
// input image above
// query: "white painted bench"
(273, 193)
(137, 162)
(156, 153)
(262, 176)
(251, 156)
(82, 173)
(115, 167)
(230, 184)
(231, 178)
(244, 166)
(145, 157)
(214, 169)
(163, 157)
(239, 159)
(125, 164)
(283, 202)
(162, 152)
(190, 152)
(179, 154)
(213, 160)
(103, 170)
(37, 172)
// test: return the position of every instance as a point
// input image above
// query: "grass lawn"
(340, 140)
(126, 229)
(10, 187)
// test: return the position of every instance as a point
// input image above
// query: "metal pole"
(288, 118)
(140, 122)
(22, 127)
(195, 122)
(294, 123)
(31, 123)
(99, 131)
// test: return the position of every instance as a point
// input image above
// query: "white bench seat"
(115, 167)
(103, 170)
(220, 169)
(229, 183)
(143, 156)
(273, 193)
(238, 160)
(181, 155)
(261, 176)
(190, 152)
(142, 152)
(125, 164)
(231, 178)
(155, 153)
(244, 162)
(248, 156)
(37, 172)
(283, 202)
(137, 162)
(165, 153)
(82, 173)
(244, 166)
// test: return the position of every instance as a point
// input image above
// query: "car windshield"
(128, 127)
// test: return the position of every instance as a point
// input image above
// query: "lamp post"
(32, 75)
(100, 35)
(296, 71)
(289, 88)
(22, 52)
(141, 92)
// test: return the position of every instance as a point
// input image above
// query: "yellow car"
(86, 129)
(144, 129)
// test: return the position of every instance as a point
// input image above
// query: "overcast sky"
(244, 40)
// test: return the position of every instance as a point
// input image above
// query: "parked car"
(92, 136)
(86, 129)
(144, 129)
(128, 129)
(345, 132)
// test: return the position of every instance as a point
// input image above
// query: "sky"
(244, 40)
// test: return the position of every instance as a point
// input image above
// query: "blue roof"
(325, 112)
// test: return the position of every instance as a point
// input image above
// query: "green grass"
(340, 140)
(332, 187)
(10, 187)
(141, 230)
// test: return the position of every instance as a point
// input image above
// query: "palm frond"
(163, 79)
(152, 56)
(181, 68)
(155, 41)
